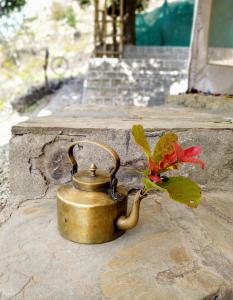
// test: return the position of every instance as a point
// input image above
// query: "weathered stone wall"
(38, 159)
(143, 77)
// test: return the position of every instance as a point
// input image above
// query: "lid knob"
(92, 170)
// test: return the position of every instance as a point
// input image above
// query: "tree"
(7, 6)
(129, 26)
(130, 7)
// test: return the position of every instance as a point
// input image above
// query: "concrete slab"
(83, 118)
(174, 253)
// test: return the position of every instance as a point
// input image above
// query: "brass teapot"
(93, 209)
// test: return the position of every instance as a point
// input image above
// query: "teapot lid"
(92, 179)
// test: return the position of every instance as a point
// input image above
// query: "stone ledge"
(213, 103)
(38, 148)
(88, 118)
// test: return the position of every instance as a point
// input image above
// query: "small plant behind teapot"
(168, 155)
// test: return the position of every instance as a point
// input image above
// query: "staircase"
(142, 78)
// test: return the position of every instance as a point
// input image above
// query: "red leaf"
(193, 151)
(168, 160)
(154, 167)
(156, 178)
(179, 151)
(194, 160)
(182, 155)
(187, 155)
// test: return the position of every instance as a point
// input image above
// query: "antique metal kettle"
(93, 209)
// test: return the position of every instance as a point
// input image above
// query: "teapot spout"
(129, 222)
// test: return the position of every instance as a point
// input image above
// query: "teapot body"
(90, 217)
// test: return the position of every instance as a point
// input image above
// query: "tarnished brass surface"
(97, 181)
(126, 223)
(83, 180)
(94, 209)
(89, 217)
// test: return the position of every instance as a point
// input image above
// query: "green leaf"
(140, 138)
(146, 172)
(149, 185)
(183, 190)
(164, 146)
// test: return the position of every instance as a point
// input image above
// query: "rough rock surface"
(174, 253)
(4, 175)
(38, 149)
(6, 205)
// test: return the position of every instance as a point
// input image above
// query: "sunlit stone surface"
(174, 253)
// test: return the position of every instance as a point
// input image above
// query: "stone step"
(141, 75)
(38, 158)
(165, 52)
(145, 80)
(152, 89)
(110, 79)
(109, 64)
(137, 80)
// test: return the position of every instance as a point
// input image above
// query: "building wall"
(143, 77)
(221, 24)
(205, 76)
(220, 56)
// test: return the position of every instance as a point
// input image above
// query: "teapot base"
(89, 218)
(116, 236)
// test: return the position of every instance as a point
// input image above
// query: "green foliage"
(183, 190)
(166, 156)
(150, 185)
(84, 3)
(7, 6)
(140, 4)
(58, 11)
(140, 138)
(8, 63)
(71, 17)
(164, 146)
(1, 104)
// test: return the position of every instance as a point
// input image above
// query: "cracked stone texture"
(6, 206)
(175, 252)
(38, 159)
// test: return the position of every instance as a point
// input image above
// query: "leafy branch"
(168, 155)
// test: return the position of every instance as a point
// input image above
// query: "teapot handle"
(101, 145)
